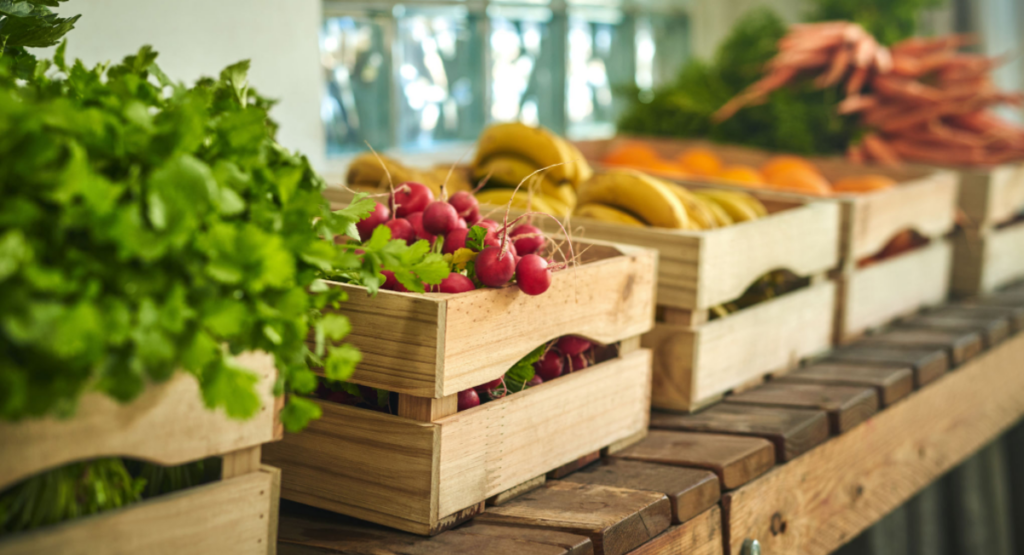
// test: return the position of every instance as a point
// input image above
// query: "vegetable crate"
(988, 247)
(870, 296)
(168, 424)
(430, 467)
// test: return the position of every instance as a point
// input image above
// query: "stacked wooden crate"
(430, 467)
(989, 247)
(169, 425)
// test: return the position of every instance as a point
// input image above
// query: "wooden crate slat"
(990, 306)
(990, 196)
(961, 346)
(994, 329)
(986, 262)
(734, 459)
(892, 383)
(929, 364)
(494, 447)
(701, 535)
(871, 470)
(222, 518)
(167, 424)
(847, 406)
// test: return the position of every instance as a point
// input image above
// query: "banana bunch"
(507, 153)
(631, 197)
(367, 173)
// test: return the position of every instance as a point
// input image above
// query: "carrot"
(879, 150)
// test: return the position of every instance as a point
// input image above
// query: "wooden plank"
(689, 490)
(694, 366)
(616, 520)
(961, 346)
(222, 518)
(928, 364)
(516, 491)
(168, 424)
(273, 520)
(240, 462)
(994, 330)
(701, 535)
(892, 383)
(847, 405)
(834, 492)
(308, 532)
(570, 467)
(961, 310)
(990, 196)
(895, 287)
(734, 459)
(427, 409)
(792, 431)
(1013, 310)
(498, 445)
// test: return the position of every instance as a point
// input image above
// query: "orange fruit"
(668, 169)
(800, 180)
(741, 174)
(777, 165)
(863, 183)
(631, 154)
(701, 161)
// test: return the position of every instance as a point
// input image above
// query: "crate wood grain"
(993, 328)
(701, 535)
(891, 383)
(827, 497)
(793, 431)
(892, 288)
(691, 491)
(617, 520)
(167, 424)
(928, 363)
(961, 346)
(986, 261)
(696, 366)
(435, 345)
(424, 477)
(989, 306)
(736, 460)
(847, 405)
(991, 196)
(228, 517)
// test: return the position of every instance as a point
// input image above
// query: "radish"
(528, 239)
(411, 197)
(455, 240)
(576, 362)
(439, 218)
(494, 268)
(533, 275)
(572, 345)
(468, 399)
(343, 398)
(466, 205)
(417, 224)
(549, 366)
(489, 386)
(461, 224)
(489, 225)
(456, 283)
(537, 380)
(379, 215)
(402, 230)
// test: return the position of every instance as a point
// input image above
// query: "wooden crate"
(983, 262)
(424, 471)
(169, 425)
(435, 345)
(991, 196)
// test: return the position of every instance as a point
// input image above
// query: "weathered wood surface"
(616, 520)
(736, 460)
(960, 345)
(820, 501)
(847, 405)
(991, 196)
(986, 262)
(570, 467)
(691, 491)
(993, 329)
(892, 383)
(976, 309)
(701, 535)
(929, 364)
(792, 431)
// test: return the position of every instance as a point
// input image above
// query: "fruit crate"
(987, 247)
(924, 201)
(168, 424)
(429, 467)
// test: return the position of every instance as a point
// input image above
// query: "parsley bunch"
(147, 227)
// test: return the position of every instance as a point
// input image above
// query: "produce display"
(372, 173)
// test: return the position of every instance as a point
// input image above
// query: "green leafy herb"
(890, 21)
(522, 371)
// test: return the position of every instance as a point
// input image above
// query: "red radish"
(417, 224)
(455, 240)
(439, 218)
(549, 366)
(494, 268)
(411, 197)
(473, 218)
(456, 283)
(572, 345)
(576, 362)
(343, 397)
(468, 399)
(461, 224)
(391, 283)
(379, 215)
(465, 203)
(537, 380)
(493, 384)
(528, 239)
(489, 225)
(533, 275)
(402, 230)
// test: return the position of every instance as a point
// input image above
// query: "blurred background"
(424, 77)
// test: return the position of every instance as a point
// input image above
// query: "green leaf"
(335, 326)
(341, 362)
(475, 239)
(230, 388)
(237, 77)
(298, 412)
(14, 251)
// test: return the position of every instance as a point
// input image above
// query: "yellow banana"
(365, 168)
(583, 169)
(502, 196)
(509, 171)
(741, 197)
(648, 198)
(738, 210)
(722, 218)
(536, 144)
(698, 212)
(606, 213)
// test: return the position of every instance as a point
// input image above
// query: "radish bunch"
(498, 254)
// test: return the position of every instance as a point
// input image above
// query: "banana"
(722, 218)
(741, 197)
(536, 144)
(606, 213)
(509, 171)
(561, 209)
(502, 196)
(583, 169)
(637, 193)
(699, 213)
(737, 208)
(459, 180)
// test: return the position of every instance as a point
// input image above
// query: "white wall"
(200, 37)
